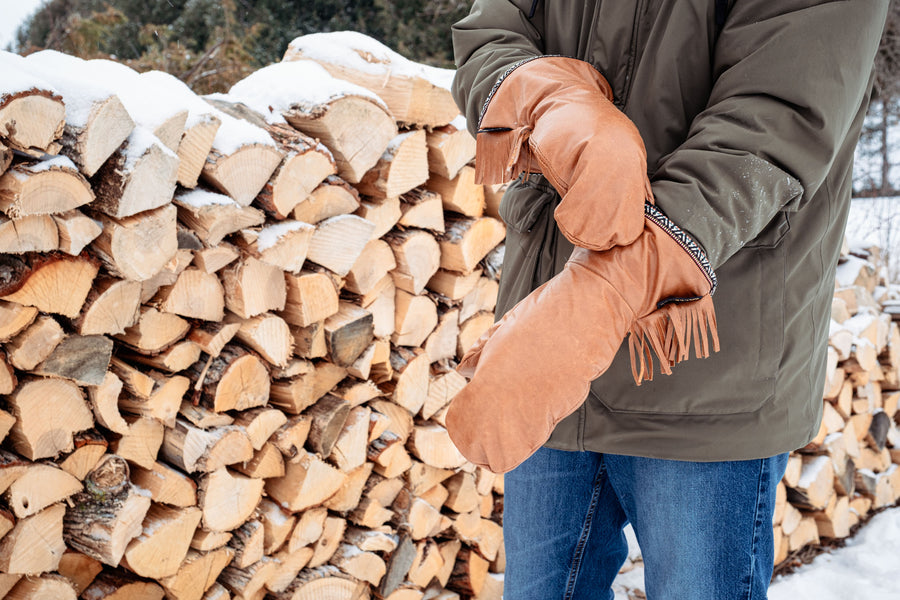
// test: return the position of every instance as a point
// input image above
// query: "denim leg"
(705, 529)
(562, 527)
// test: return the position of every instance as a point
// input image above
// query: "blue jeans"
(705, 529)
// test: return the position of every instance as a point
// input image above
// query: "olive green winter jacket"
(750, 134)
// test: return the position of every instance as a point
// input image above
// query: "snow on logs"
(227, 334)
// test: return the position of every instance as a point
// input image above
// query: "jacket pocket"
(741, 377)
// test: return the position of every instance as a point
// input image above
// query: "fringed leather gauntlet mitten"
(555, 115)
(534, 367)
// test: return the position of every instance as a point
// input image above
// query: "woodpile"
(852, 467)
(228, 328)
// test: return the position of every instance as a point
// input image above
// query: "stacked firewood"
(228, 327)
(851, 467)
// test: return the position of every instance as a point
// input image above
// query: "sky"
(12, 14)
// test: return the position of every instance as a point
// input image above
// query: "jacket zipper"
(632, 54)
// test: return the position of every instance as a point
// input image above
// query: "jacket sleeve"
(791, 79)
(494, 36)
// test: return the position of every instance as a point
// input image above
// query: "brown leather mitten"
(657, 289)
(555, 115)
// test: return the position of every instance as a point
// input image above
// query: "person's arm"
(494, 36)
(792, 76)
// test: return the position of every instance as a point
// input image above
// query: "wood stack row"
(228, 327)
(852, 467)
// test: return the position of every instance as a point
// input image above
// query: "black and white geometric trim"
(685, 241)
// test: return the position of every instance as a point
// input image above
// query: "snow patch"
(199, 198)
(269, 236)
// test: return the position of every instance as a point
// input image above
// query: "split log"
(14, 317)
(107, 514)
(311, 297)
(206, 541)
(469, 572)
(327, 544)
(253, 287)
(193, 449)
(432, 445)
(35, 343)
(45, 587)
(260, 423)
(139, 176)
(166, 485)
(75, 231)
(415, 319)
(154, 331)
(365, 566)
(79, 569)
(197, 574)
(138, 247)
(441, 342)
(47, 187)
(380, 302)
(338, 242)
(35, 544)
(83, 359)
(415, 515)
(309, 528)
(422, 209)
(328, 416)
(214, 259)
(290, 565)
(294, 395)
(111, 306)
(236, 379)
(32, 113)
(53, 283)
(213, 216)
(242, 159)
(348, 333)
(384, 213)
(39, 486)
(450, 148)
(199, 127)
(289, 439)
(390, 457)
(48, 412)
(331, 198)
(816, 484)
(375, 261)
(162, 403)
(323, 582)
(33, 233)
(164, 542)
(427, 564)
(467, 241)
(249, 582)
(173, 359)
(306, 164)
(90, 447)
(266, 462)
(415, 94)
(227, 499)
(307, 482)
(140, 444)
(6, 156)
(104, 399)
(483, 298)
(418, 257)
(267, 334)
(277, 525)
(471, 331)
(247, 542)
(348, 497)
(349, 451)
(398, 564)
(410, 378)
(212, 337)
(195, 294)
(284, 244)
(330, 112)
(449, 552)
(402, 167)
(460, 194)
(119, 585)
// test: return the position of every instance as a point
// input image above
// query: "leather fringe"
(668, 332)
(497, 154)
